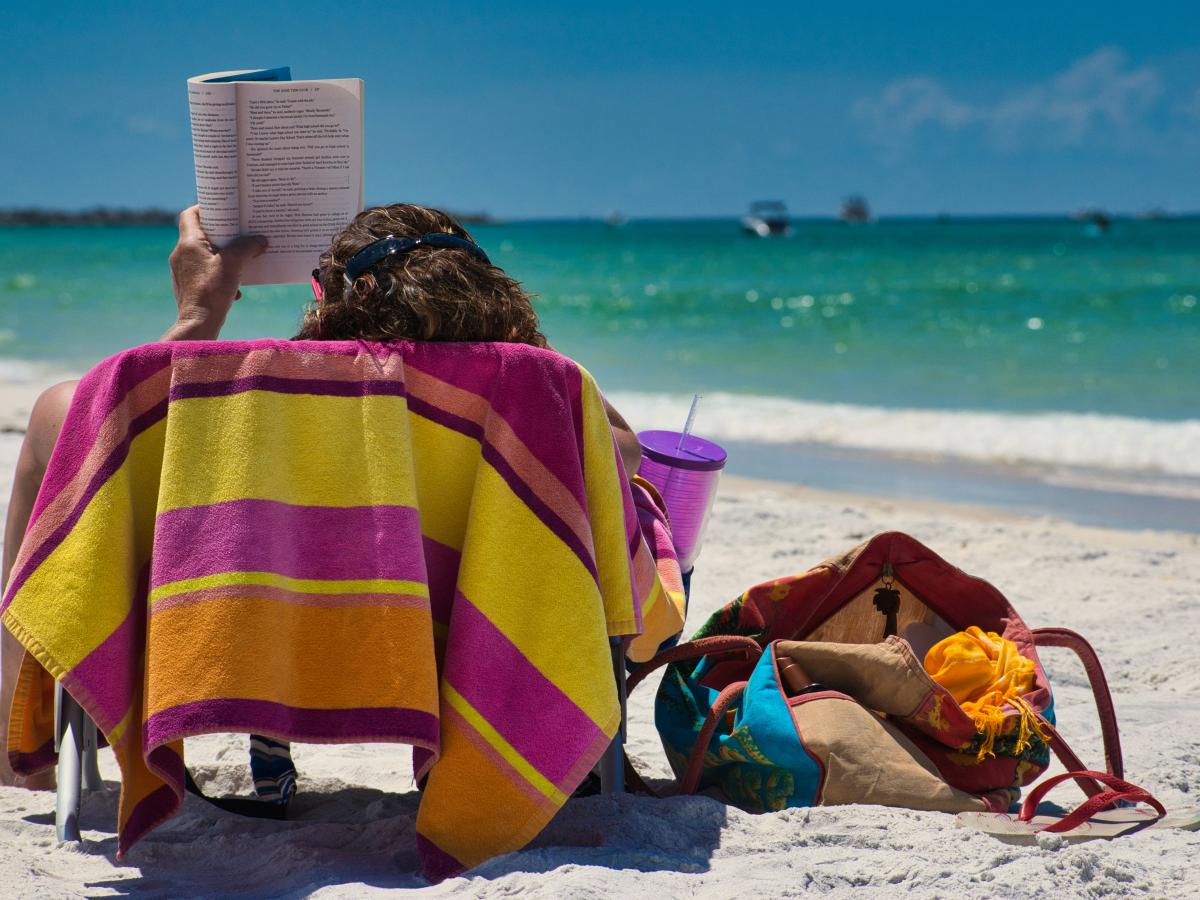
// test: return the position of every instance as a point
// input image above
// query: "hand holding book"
(205, 279)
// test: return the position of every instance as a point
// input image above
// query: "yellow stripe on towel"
(440, 456)
(312, 475)
(306, 585)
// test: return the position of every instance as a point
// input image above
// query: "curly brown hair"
(427, 294)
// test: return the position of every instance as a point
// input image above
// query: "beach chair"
(76, 741)
(414, 719)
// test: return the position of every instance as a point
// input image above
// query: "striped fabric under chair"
(339, 542)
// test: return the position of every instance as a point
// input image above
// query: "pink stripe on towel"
(325, 542)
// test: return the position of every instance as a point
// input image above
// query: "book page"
(213, 111)
(300, 157)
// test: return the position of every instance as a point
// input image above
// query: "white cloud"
(906, 106)
(1098, 97)
(1099, 100)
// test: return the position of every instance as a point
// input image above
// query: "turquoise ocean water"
(938, 333)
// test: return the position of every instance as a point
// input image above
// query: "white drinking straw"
(691, 420)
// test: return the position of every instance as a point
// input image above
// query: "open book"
(280, 158)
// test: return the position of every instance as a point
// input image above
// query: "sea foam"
(1057, 439)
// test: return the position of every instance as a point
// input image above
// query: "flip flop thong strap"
(1119, 790)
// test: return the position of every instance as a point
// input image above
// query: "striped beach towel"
(338, 542)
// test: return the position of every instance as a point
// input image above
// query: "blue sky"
(553, 109)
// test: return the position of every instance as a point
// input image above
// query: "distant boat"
(767, 218)
(1098, 221)
(615, 219)
(855, 210)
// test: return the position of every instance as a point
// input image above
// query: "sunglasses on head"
(377, 251)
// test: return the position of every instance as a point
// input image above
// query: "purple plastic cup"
(686, 475)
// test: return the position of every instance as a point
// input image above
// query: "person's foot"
(272, 769)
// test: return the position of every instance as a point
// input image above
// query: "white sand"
(1134, 595)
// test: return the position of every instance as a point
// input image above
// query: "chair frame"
(611, 767)
(75, 740)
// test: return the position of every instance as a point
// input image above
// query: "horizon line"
(483, 217)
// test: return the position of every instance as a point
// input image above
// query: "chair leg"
(69, 733)
(91, 768)
(612, 764)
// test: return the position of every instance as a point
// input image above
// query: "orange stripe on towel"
(470, 777)
(392, 663)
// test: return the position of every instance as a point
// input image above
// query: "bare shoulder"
(58, 394)
(46, 419)
(53, 402)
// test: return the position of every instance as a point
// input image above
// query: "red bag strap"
(1064, 637)
(714, 645)
(707, 646)
(691, 778)
(1119, 790)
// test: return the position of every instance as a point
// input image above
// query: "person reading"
(398, 272)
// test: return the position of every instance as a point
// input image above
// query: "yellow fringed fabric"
(983, 672)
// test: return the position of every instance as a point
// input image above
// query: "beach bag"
(866, 723)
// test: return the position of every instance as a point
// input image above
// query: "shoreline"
(1128, 501)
